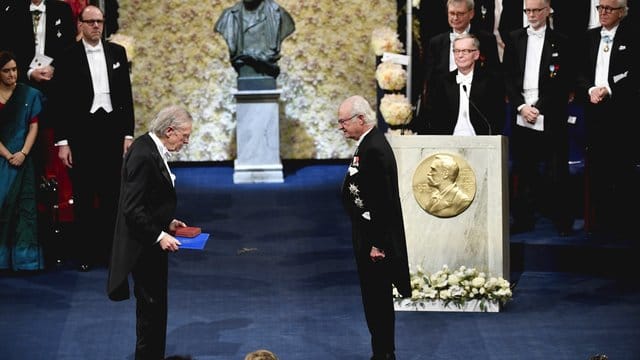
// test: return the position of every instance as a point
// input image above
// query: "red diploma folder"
(189, 231)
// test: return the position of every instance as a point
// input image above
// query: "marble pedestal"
(477, 237)
(257, 137)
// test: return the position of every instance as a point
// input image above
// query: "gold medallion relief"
(444, 185)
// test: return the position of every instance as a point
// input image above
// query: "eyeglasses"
(93, 22)
(464, 51)
(458, 14)
(344, 121)
(533, 11)
(606, 9)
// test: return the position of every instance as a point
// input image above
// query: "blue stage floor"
(278, 273)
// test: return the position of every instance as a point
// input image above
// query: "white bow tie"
(464, 79)
(94, 50)
(538, 33)
(40, 7)
(454, 35)
(607, 33)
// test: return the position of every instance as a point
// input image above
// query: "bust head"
(254, 44)
(443, 171)
(251, 4)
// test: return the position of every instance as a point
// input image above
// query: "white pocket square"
(555, 54)
(58, 22)
(366, 215)
(352, 171)
(619, 77)
(622, 47)
(116, 65)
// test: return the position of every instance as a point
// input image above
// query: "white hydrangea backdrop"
(179, 59)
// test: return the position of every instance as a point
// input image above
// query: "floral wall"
(177, 58)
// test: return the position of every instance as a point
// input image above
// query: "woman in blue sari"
(19, 109)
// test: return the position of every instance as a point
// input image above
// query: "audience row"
(50, 53)
(543, 72)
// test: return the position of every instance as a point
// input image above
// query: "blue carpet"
(278, 273)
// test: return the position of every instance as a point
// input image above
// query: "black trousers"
(377, 299)
(150, 289)
(95, 176)
(541, 178)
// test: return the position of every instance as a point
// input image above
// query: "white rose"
(454, 279)
(445, 294)
(477, 282)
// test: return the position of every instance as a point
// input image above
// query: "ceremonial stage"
(277, 272)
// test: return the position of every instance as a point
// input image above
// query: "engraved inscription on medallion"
(444, 185)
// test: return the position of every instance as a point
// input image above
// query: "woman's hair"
(5, 57)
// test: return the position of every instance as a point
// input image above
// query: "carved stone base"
(258, 137)
(256, 83)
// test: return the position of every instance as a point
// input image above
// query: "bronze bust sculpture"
(254, 30)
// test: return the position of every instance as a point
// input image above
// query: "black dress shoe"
(83, 267)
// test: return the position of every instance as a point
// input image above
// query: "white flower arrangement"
(384, 39)
(391, 76)
(125, 41)
(457, 287)
(396, 109)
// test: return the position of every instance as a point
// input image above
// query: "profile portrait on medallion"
(444, 185)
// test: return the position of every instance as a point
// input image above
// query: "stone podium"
(478, 236)
(257, 137)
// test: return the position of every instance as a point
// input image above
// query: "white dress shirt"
(532, 65)
(99, 78)
(39, 34)
(604, 57)
(40, 30)
(463, 124)
(165, 155)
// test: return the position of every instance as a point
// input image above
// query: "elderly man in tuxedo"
(469, 100)
(540, 77)
(610, 86)
(370, 196)
(144, 226)
(439, 56)
(94, 129)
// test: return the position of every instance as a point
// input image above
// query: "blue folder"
(196, 243)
